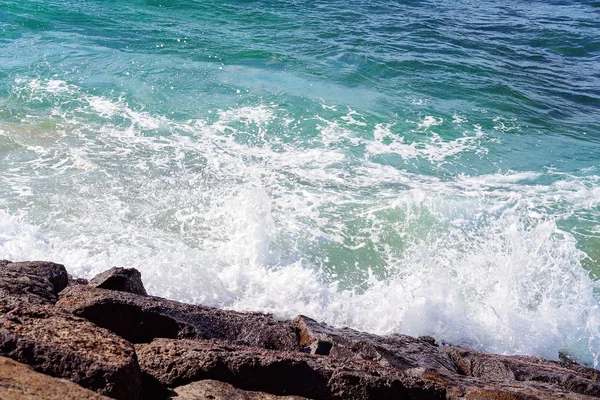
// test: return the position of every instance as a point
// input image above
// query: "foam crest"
(248, 115)
(434, 148)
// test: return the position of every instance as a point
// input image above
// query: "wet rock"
(35, 281)
(262, 358)
(400, 351)
(459, 387)
(19, 382)
(568, 376)
(122, 279)
(62, 345)
(140, 319)
(174, 363)
(215, 390)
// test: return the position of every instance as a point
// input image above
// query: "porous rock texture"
(216, 390)
(122, 279)
(460, 387)
(521, 370)
(36, 281)
(20, 382)
(35, 332)
(109, 336)
(177, 362)
(399, 351)
(140, 319)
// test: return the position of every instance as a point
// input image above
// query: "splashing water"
(322, 177)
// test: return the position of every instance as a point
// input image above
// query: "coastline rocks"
(121, 279)
(399, 351)
(69, 329)
(62, 345)
(174, 363)
(20, 382)
(140, 319)
(215, 390)
(569, 377)
(459, 387)
(35, 281)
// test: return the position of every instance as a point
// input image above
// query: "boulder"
(173, 363)
(122, 279)
(19, 382)
(62, 345)
(215, 390)
(140, 319)
(399, 351)
(564, 376)
(35, 281)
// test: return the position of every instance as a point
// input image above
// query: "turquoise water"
(418, 167)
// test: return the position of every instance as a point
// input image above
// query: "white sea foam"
(291, 228)
(433, 148)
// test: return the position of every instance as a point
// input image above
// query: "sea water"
(422, 167)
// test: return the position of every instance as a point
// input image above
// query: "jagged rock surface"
(399, 351)
(20, 382)
(174, 363)
(62, 345)
(181, 344)
(568, 377)
(214, 390)
(140, 319)
(459, 387)
(57, 343)
(35, 281)
(121, 279)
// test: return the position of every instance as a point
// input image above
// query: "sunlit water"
(418, 167)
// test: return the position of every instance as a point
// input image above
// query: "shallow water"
(417, 167)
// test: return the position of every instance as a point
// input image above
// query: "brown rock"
(400, 351)
(568, 377)
(78, 281)
(459, 387)
(35, 281)
(59, 344)
(19, 382)
(174, 363)
(140, 319)
(122, 279)
(215, 390)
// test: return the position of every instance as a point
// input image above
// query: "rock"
(122, 279)
(174, 363)
(78, 281)
(62, 345)
(400, 351)
(192, 351)
(35, 281)
(140, 319)
(215, 390)
(568, 377)
(459, 387)
(19, 382)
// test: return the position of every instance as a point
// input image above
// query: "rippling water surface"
(424, 167)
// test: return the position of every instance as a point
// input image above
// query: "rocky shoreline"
(65, 338)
